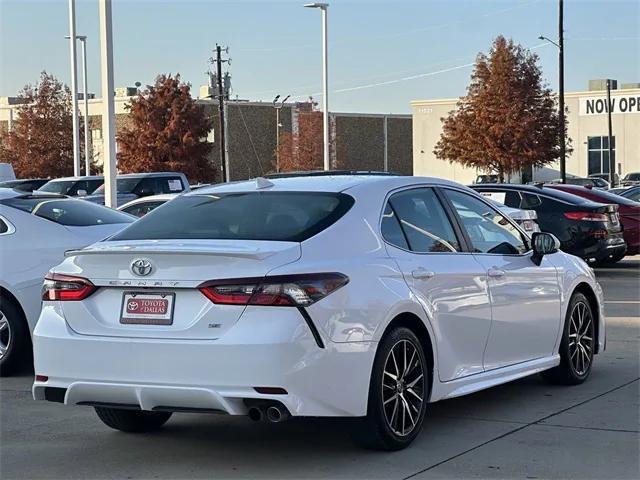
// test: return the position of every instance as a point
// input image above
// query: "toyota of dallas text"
(365, 296)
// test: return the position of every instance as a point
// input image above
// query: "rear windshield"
(68, 211)
(607, 197)
(61, 187)
(284, 216)
(123, 185)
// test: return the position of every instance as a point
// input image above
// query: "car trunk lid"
(170, 273)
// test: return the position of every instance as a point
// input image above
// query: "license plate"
(613, 217)
(147, 308)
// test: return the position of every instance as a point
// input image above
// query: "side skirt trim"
(491, 378)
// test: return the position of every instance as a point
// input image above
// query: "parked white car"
(324, 296)
(35, 231)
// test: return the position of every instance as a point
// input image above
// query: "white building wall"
(427, 129)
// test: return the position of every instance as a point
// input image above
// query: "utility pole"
(612, 162)
(74, 87)
(221, 111)
(563, 159)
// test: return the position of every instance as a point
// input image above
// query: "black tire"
(132, 421)
(14, 334)
(376, 431)
(576, 351)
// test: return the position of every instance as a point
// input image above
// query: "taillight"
(279, 291)
(66, 287)
(586, 216)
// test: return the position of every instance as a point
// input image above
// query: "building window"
(96, 134)
(598, 156)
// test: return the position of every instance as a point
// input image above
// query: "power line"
(395, 34)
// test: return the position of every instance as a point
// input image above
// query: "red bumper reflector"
(42, 378)
(270, 390)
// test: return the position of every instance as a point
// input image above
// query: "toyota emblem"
(141, 267)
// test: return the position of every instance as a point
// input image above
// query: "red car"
(628, 210)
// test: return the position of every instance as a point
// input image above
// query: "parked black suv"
(589, 230)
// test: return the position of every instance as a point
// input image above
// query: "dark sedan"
(589, 230)
(628, 210)
(25, 184)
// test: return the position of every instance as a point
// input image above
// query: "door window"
(423, 221)
(488, 230)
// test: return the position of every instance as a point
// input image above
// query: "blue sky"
(383, 54)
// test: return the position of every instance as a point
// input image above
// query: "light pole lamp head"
(323, 6)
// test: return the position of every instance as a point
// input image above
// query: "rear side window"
(283, 216)
(391, 229)
(69, 212)
(423, 221)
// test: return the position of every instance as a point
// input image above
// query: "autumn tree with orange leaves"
(40, 144)
(166, 132)
(302, 150)
(508, 120)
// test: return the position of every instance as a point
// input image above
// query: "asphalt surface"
(526, 429)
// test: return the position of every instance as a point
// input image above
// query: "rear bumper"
(604, 249)
(216, 375)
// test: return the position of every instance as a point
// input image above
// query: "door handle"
(496, 272)
(423, 274)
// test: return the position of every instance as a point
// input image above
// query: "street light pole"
(561, 116)
(612, 161)
(108, 108)
(325, 83)
(278, 108)
(563, 159)
(85, 97)
(74, 87)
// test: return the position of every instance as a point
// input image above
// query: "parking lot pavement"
(525, 429)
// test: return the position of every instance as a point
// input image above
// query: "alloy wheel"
(581, 338)
(5, 335)
(403, 388)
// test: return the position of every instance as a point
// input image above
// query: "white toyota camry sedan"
(364, 296)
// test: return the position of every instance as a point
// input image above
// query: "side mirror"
(543, 244)
(81, 193)
(145, 192)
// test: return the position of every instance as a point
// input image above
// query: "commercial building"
(362, 141)
(587, 128)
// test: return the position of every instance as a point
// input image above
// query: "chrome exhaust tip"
(276, 414)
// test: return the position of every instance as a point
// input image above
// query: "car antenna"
(262, 182)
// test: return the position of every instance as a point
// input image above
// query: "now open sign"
(619, 104)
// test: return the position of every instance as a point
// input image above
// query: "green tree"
(508, 120)
(166, 132)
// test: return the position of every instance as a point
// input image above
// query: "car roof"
(84, 177)
(320, 183)
(148, 174)
(6, 192)
(537, 190)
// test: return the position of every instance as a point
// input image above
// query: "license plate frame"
(132, 318)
